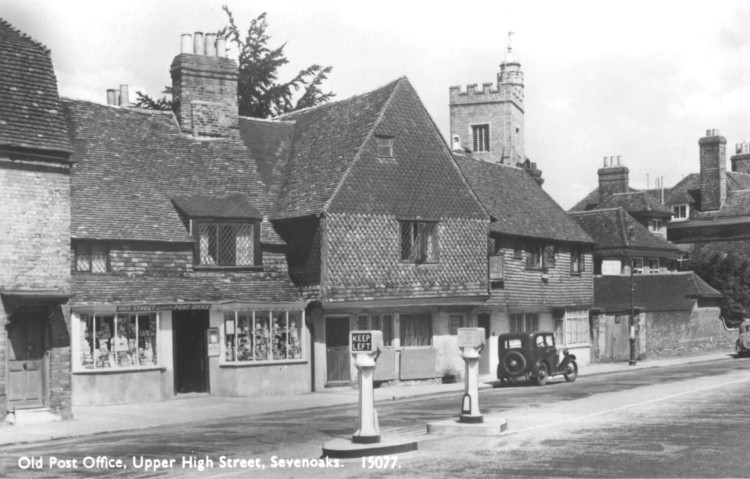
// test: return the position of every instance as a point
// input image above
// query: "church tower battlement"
(489, 121)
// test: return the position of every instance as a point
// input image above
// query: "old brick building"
(179, 281)
(35, 229)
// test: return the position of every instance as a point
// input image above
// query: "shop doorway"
(190, 355)
(337, 350)
(27, 359)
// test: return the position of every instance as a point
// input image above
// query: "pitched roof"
(326, 141)
(230, 206)
(131, 162)
(520, 206)
(610, 230)
(30, 112)
(651, 292)
(637, 202)
(325, 158)
(110, 288)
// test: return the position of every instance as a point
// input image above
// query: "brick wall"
(363, 260)
(35, 252)
(686, 332)
(205, 89)
(713, 175)
(525, 288)
(35, 226)
(60, 366)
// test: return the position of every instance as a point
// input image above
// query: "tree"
(260, 94)
(728, 272)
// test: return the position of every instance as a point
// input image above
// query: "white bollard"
(471, 342)
(365, 347)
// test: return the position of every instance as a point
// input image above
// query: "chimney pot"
(198, 43)
(186, 44)
(210, 44)
(605, 162)
(221, 47)
(124, 97)
(619, 159)
(111, 97)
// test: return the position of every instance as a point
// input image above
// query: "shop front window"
(117, 341)
(251, 336)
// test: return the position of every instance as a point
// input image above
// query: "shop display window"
(262, 336)
(117, 341)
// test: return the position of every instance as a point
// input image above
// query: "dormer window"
(680, 212)
(227, 244)
(384, 146)
(226, 230)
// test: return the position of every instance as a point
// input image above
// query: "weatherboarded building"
(541, 265)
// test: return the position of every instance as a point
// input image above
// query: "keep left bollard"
(365, 347)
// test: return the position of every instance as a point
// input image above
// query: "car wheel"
(542, 373)
(572, 373)
(514, 363)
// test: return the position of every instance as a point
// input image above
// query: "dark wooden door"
(191, 358)
(337, 350)
(26, 357)
(483, 321)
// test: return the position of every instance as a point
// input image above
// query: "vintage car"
(533, 356)
(743, 342)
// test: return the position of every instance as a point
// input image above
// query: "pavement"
(90, 420)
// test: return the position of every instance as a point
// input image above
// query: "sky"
(640, 79)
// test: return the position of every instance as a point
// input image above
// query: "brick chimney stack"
(613, 178)
(204, 86)
(713, 162)
(741, 159)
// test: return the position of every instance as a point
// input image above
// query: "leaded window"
(419, 241)
(91, 257)
(228, 244)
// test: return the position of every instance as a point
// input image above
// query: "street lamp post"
(631, 312)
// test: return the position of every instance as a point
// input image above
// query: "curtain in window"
(416, 330)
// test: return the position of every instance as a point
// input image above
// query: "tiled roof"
(651, 292)
(270, 144)
(519, 205)
(326, 141)
(637, 202)
(130, 163)
(30, 112)
(97, 288)
(609, 229)
(420, 180)
(230, 206)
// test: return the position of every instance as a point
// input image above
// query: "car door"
(550, 352)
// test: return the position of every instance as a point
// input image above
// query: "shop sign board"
(131, 308)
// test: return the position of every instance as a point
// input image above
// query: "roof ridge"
(24, 36)
(367, 137)
(268, 120)
(330, 103)
(133, 109)
(595, 210)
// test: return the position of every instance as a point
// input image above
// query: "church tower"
(489, 122)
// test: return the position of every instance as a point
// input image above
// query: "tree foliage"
(728, 272)
(260, 93)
